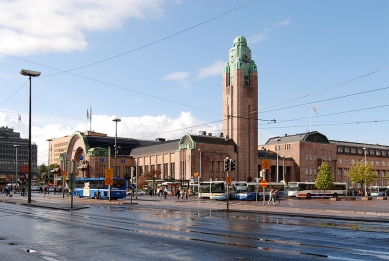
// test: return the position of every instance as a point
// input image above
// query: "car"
(35, 188)
(139, 192)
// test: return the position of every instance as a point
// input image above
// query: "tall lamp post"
(365, 149)
(48, 161)
(30, 74)
(278, 142)
(283, 169)
(198, 179)
(116, 120)
(16, 163)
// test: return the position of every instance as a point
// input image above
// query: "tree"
(325, 178)
(362, 173)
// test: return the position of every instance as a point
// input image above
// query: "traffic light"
(232, 165)
(265, 176)
(226, 164)
(134, 172)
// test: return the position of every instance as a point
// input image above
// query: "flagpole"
(310, 118)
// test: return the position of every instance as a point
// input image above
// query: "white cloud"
(256, 38)
(44, 26)
(282, 23)
(215, 69)
(177, 76)
(144, 127)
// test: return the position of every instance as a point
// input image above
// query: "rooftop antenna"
(89, 117)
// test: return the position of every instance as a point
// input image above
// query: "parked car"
(35, 188)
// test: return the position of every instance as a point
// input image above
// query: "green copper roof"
(240, 58)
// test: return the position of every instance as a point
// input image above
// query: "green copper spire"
(240, 59)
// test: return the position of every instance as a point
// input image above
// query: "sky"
(157, 65)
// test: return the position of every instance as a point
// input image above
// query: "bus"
(378, 191)
(292, 189)
(96, 188)
(253, 191)
(309, 190)
(219, 190)
(205, 189)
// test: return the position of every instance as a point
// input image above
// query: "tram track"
(161, 225)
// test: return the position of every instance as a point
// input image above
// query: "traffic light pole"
(228, 194)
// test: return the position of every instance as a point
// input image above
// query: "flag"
(313, 108)
(19, 118)
(87, 114)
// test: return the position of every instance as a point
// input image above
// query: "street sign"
(81, 157)
(228, 180)
(101, 159)
(266, 164)
(109, 181)
(123, 160)
(263, 183)
(257, 180)
(64, 174)
(108, 173)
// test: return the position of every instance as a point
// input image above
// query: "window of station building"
(383, 164)
(339, 172)
(340, 160)
(211, 163)
(347, 161)
(345, 172)
(329, 158)
(382, 173)
(353, 150)
(372, 162)
(147, 168)
(371, 152)
(217, 166)
(383, 153)
(378, 152)
(360, 151)
(340, 149)
(314, 156)
(353, 161)
(347, 150)
(306, 171)
(173, 169)
(377, 163)
(287, 146)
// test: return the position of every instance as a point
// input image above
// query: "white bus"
(205, 189)
(309, 190)
(219, 190)
(378, 191)
(250, 191)
(292, 189)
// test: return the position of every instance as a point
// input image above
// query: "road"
(174, 230)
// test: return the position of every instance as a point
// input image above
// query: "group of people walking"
(273, 196)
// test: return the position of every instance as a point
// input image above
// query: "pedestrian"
(276, 197)
(178, 193)
(271, 196)
(165, 192)
(183, 192)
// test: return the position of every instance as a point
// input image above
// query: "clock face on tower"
(232, 55)
(246, 56)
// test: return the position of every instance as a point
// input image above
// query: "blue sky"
(157, 65)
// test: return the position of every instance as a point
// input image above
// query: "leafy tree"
(325, 178)
(362, 174)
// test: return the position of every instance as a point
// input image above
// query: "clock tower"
(240, 109)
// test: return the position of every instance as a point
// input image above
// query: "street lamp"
(365, 149)
(16, 163)
(199, 178)
(30, 74)
(283, 169)
(48, 162)
(278, 142)
(116, 120)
